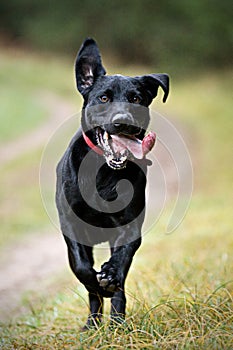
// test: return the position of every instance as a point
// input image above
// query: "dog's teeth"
(119, 161)
(98, 138)
(108, 149)
(105, 137)
(113, 160)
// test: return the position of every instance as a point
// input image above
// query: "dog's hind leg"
(96, 310)
(81, 262)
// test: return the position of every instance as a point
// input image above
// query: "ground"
(23, 266)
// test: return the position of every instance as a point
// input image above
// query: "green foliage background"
(177, 35)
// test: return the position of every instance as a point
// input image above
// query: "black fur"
(88, 216)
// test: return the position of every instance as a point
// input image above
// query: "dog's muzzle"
(119, 148)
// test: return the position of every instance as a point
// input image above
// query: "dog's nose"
(122, 118)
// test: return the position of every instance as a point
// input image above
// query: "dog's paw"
(108, 278)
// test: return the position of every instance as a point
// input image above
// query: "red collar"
(95, 148)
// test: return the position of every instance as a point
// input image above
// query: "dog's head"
(115, 114)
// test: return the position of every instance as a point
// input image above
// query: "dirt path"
(27, 265)
(58, 110)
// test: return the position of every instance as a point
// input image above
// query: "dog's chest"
(120, 185)
(108, 185)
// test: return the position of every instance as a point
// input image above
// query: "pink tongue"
(137, 147)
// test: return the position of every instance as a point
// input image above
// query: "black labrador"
(101, 178)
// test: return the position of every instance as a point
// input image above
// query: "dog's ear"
(152, 82)
(88, 65)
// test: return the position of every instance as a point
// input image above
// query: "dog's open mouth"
(119, 148)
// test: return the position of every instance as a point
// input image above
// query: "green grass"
(24, 79)
(180, 299)
(170, 324)
(180, 288)
(179, 292)
(21, 209)
(20, 111)
(204, 104)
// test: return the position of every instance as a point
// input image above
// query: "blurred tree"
(181, 34)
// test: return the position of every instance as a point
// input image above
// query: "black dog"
(101, 178)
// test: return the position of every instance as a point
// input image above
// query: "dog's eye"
(104, 98)
(136, 99)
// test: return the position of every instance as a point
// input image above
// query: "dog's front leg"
(113, 274)
(123, 255)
